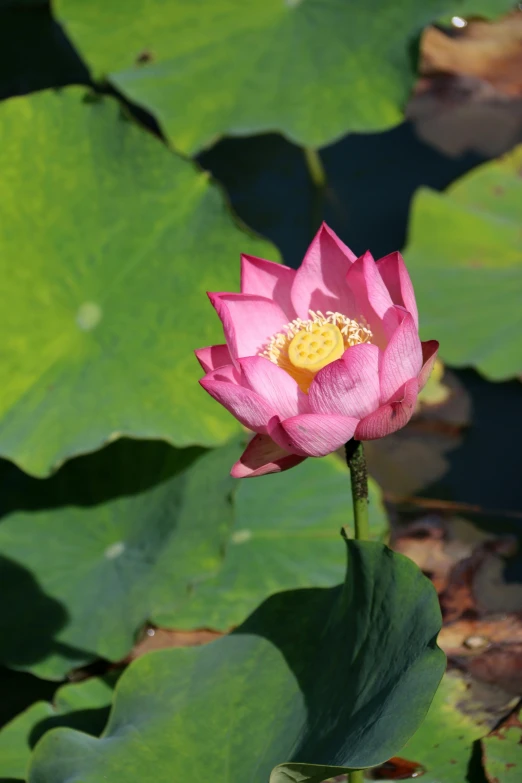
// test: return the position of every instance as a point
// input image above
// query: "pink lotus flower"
(317, 356)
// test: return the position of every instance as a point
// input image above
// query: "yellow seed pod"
(312, 349)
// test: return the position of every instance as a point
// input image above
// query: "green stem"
(318, 177)
(315, 167)
(359, 477)
(356, 462)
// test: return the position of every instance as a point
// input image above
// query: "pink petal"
(390, 417)
(350, 386)
(227, 373)
(429, 354)
(397, 280)
(320, 281)
(313, 434)
(213, 357)
(248, 321)
(247, 406)
(274, 385)
(371, 299)
(273, 281)
(402, 358)
(263, 456)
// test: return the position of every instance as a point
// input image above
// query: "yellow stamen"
(305, 347)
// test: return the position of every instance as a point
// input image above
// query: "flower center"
(305, 347)
(313, 350)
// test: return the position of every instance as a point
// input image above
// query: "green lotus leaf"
(443, 745)
(285, 536)
(108, 243)
(502, 751)
(464, 254)
(440, 750)
(103, 541)
(339, 676)
(84, 705)
(311, 69)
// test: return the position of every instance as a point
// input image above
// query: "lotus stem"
(315, 167)
(318, 177)
(356, 462)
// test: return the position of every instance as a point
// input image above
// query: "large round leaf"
(465, 257)
(108, 243)
(101, 542)
(312, 69)
(285, 536)
(83, 705)
(341, 675)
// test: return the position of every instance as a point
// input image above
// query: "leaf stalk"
(356, 462)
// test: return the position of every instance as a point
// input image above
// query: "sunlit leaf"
(108, 243)
(502, 751)
(465, 257)
(311, 69)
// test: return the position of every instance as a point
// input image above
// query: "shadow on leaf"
(365, 627)
(23, 644)
(124, 468)
(90, 721)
